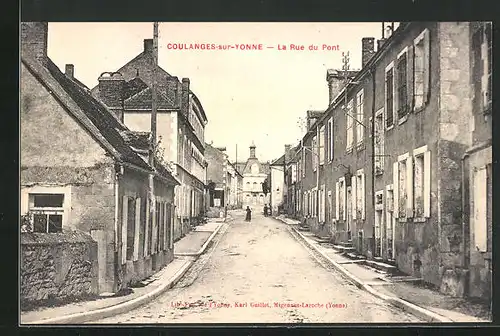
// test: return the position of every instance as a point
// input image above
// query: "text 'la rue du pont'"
(253, 46)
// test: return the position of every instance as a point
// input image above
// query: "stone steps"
(386, 268)
(344, 249)
(355, 256)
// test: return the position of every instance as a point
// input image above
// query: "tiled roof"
(143, 100)
(134, 86)
(314, 114)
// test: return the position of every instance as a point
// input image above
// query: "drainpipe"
(118, 172)
(372, 131)
(465, 220)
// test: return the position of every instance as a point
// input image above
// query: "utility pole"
(152, 145)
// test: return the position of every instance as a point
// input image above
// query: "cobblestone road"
(248, 270)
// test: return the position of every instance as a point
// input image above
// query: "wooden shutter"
(363, 197)
(344, 203)
(427, 184)
(409, 187)
(427, 64)
(395, 188)
(354, 199)
(337, 201)
(410, 56)
(137, 227)
(480, 209)
(146, 230)
(124, 228)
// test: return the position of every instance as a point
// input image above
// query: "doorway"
(349, 213)
(391, 224)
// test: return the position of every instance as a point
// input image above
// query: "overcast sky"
(247, 95)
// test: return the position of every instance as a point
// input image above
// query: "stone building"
(254, 173)
(222, 178)
(279, 189)
(83, 170)
(181, 123)
(402, 154)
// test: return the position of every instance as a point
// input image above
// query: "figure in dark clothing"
(248, 217)
(265, 210)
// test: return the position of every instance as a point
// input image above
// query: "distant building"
(254, 173)
(223, 179)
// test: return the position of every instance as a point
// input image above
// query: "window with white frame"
(322, 204)
(350, 123)
(421, 70)
(379, 141)
(389, 95)
(360, 130)
(421, 182)
(360, 194)
(322, 145)
(303, 161)
(403, 186)
(47, 212)
(331, 139)
(402, 84)
(482, 56)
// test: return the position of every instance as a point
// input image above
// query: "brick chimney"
(185, 97)
(287, 152)
(111, 86)
(380, 43)
(252, 151)
(69, 71)
(148, 46)
(34, 40)
(335, 79)
(367, 49)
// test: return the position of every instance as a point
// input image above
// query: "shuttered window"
(389, 96)
(480, 209)
(421, 69)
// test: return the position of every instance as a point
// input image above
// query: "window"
(389, 96)
(322, 204)
(322, 145)
(421, 71)
(359, 188)
(350, 121)
(331, 139)
(314, 153)
(402, 85)
(360, 131)
(303, 161)
(403, 187)
(47, 211)
(378, 222)
(379, 142)
(341, 207)
(482, 44)
(421, 182)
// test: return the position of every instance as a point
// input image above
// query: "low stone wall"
(57, 267)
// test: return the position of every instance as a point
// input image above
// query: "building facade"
(395, 164)
(223, 178)
(254, 174)
(97, 182)
(181, 123)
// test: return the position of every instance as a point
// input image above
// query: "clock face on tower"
(255, 168)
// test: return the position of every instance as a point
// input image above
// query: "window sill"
(420, 219)
(360, 146)
(389, 128)
(348, 150)
(379, 172)
(403, 119)
(402, 220)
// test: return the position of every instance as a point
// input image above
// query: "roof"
(245, 166)
(278, 162)
(104, 125)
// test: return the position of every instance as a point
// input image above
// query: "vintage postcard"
(255, 172)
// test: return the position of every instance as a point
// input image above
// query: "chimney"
(287, 152)
(111, 86)
(252, 151)
(148, 46)
(367, 49)
(34, 40)
(185, 96)
(335, 79)
(70, 71)
(380, 43)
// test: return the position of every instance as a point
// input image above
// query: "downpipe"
(372, 131)
(465, 220)
(119, 170)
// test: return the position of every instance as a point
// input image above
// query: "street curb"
(119, 308)
(398, 302)
(204, 247)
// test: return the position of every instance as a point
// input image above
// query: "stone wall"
(57, 267)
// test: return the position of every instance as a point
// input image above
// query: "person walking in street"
(265, 210)
(248, 217)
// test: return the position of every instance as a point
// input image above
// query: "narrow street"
(249, 269)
